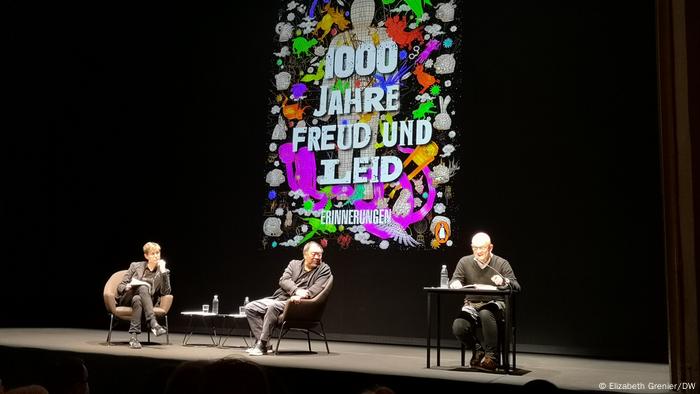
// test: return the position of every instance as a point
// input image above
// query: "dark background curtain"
(126, 124)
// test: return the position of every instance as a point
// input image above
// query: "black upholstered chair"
(305, 316)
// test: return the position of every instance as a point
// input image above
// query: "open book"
(479, 286)
(136, 282)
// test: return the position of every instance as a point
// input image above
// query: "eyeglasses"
(316, 253)
(480, 247)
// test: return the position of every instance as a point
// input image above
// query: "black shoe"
(134, 342)
(477, 355)
(158, 330)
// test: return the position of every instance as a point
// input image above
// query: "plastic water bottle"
(246, 301)
(215, 305)
(444, 278)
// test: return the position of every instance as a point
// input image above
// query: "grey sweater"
(295, 277)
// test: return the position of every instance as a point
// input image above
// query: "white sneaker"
(259, 349)
(255, 352)
(269, 349)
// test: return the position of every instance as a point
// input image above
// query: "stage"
(354, 366)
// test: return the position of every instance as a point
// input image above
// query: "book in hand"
(137, 282)
(479, 286)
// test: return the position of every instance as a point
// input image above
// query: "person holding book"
(143, 285)
(476, 325)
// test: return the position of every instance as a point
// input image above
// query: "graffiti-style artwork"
(362, 138)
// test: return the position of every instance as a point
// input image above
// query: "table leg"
(210, 328)
(213, 329)
(229, 333)
(437, 327)
(188, 332)
(508, 333)
(515, 351)
(223, 329)
(427, 339)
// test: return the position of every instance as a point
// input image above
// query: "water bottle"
(246, 301)
(444, 278)
(215, 305)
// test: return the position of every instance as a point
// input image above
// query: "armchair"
(305, 316)
(124, 312)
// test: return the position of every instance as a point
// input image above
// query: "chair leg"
(308, 339)
(149, 334)
(167, 331)
(109, 333)
(501, 346)
(279, 338)
(324, 337)
(463, 350)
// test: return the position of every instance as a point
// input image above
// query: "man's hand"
(161, 267)
(295, 299)
(498, 280)
(456, 285)
(128, 287)
(302, 293)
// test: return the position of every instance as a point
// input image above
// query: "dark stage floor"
(352, 367)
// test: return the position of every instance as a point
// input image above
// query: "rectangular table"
(506, 296)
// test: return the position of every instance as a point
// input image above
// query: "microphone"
(506, 283)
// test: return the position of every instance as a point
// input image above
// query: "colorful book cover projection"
(362, 139)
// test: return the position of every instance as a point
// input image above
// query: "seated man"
(476, 326)
(301, 279)
(141, 288)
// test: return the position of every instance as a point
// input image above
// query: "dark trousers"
(262, 316)
(139, 299)
(478, 334)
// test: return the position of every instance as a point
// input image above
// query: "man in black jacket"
(141, 288)
(301, 279)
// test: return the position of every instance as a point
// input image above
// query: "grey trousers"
(262, 316)
(478, 334)
(139, 299)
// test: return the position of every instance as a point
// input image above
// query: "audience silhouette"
(224, 376)
(67, 375)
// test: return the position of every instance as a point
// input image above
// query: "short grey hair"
(308, 245)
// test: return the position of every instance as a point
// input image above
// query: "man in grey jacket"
(301, 279)
(141, 288)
